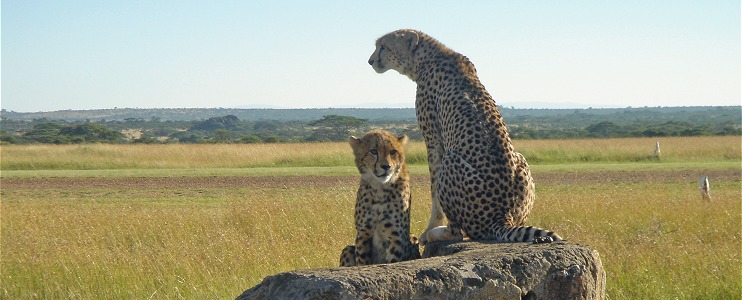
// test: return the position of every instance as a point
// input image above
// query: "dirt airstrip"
(690, 176)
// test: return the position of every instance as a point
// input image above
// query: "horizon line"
(309, 108)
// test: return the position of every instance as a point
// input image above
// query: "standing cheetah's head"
(379, 155)
(394, 51)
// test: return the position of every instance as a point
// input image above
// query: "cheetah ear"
(412, 40)
(409, 39)
(402, 139)
(354, 142)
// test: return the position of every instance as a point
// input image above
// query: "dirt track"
(330, 181)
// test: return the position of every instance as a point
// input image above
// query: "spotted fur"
(479, 183)
(382, 211)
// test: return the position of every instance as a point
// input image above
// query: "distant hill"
(220, 125)
(616, 115)
(194, 114)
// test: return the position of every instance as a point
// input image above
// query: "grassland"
(163, 240)
(182, 156)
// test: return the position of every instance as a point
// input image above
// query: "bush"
(6, 138)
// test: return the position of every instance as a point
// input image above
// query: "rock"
(462, 270)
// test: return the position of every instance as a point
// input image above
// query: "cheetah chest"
(386, 216)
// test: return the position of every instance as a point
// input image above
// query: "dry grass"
(177, 156)
(172, 156)
(168, 243)
(673, 149)
(656, 241)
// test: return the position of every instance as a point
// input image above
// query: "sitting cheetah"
(382, 213)
(481, 185)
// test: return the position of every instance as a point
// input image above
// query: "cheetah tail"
(530, 234)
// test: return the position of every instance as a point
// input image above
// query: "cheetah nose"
(385, 167)
(371, 61)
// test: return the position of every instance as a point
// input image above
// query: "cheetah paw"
(441, 233)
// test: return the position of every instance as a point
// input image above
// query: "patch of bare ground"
(331, 181)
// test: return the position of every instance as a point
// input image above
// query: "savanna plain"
(209, 221)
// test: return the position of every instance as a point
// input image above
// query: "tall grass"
(168, 243)
(673, 149)
(179, 156)
(172, 156)
(656, 241)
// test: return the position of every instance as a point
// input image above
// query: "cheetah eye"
(381, 49)
(393, 152)
(373, 152)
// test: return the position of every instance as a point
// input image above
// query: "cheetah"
(478, 182)
(382, 211)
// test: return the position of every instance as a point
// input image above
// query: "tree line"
(230, 129)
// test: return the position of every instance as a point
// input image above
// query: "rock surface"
(463, 270)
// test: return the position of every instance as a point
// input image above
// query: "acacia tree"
(56, 133)
(335, 128)
(91, 133)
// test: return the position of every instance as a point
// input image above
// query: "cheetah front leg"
(403, 249)
(364, 247)
(348, 256)
(437, 229)
(396, 250)
(399, 244)
(437, 218)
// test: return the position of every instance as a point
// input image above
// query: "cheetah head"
(394, 51)
(379, 155)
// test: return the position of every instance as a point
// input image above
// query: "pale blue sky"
(105, 54)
